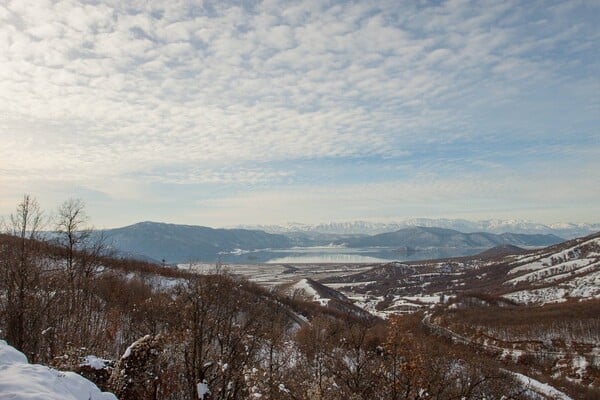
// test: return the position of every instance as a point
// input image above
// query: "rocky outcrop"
(136, 374)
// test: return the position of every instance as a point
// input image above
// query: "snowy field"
(277, 274)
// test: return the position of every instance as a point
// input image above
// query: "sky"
(221, 113)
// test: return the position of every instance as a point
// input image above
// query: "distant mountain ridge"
(567, 230)
(426, 237)
(182, 243)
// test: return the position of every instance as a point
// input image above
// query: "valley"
(299, 200)
(455, 321)
(537, 311)
(570, 270)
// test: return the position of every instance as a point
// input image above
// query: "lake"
(327, 254)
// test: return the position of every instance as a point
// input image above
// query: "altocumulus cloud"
(247, 94)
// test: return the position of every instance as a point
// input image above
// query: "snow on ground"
(337, 286)
(203, 390)
(538, 296)
(575, 272)
(538, 261)
(369, 303)
(94, 362)
(398, 305)
(513, 355)
(305, 290)
(424, 299)
(580, 365)
(9, 356)
(532, 266)
(586, 286)
(538, 387)
(583, 270)
(529, 261)
(270, 275)
(22, 381)
(544, 273)
(165, 283)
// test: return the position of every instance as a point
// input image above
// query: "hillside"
(142, 331)
(502, 250)
(240, 340)
(559, 273)
(311, 290)
(555, 274)
(182, 243)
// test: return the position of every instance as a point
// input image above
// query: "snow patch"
(94, 362)
(305, 288)
(128, 350)
(9, 355)
(539, 387)
(22, 381)
(203, 390)
(586, 286)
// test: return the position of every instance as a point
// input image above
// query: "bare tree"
(21, 272)
(72, 232)
(82, 253)
(315, 348)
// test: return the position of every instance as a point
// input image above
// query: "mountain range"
(182, 243)
(158, 241)
(567, 230)
(425, 237)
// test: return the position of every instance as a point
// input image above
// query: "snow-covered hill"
(311, 290)
(557, 273)
(20, 380)
(568, 270)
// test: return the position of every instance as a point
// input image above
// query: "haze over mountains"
(183, 243)
(567, 230)
(421, 237)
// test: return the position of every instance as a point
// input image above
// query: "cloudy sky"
(220, 113)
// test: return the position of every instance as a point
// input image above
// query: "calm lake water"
(316, 255)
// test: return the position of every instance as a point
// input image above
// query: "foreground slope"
(20, 380)
(230, 335)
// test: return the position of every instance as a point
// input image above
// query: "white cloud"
(475, 197)
(161, 90)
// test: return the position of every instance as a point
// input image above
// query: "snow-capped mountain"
(565, 230)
